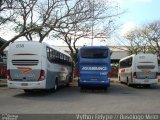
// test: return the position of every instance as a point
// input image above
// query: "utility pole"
(92, 22)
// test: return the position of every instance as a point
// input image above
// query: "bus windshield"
(94, 53)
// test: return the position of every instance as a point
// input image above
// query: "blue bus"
(94, 66)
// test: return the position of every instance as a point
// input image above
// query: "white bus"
(34, 65)
(139, 69)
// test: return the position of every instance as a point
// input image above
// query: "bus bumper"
(145, 81)
(94, 83)
(27, 85)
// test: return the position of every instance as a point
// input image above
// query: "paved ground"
(117, 99)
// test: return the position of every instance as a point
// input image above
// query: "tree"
(151, 33)
(145, 39)
(74, 25)
(136, 42)
(67, 19)
(42, 18)
(82, 24)
(6, 8)
(22, 10)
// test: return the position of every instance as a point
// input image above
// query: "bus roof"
(36, 42)
(88, 47)
(136, 55)
(56, 48)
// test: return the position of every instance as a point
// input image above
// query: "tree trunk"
(0, 4)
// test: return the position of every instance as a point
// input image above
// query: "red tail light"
(157, 74)
(134, 75)
(42, 75)
(8, 75)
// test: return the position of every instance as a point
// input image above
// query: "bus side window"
(56, 57)
(130, 62)
(61, 58)
(65, 59)
(126, 63)
(48, 52)
(52, 56)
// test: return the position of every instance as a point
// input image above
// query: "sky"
(137, 13)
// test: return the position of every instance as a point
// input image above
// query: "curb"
(3, 84)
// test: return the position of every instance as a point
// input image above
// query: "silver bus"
(34, 65)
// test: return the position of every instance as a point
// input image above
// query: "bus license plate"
(146, 81)
(24, 84)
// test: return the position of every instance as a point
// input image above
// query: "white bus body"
(34, 65)
(139, 69)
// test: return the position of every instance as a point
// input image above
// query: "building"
(117, 52)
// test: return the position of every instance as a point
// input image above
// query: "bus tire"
(120, 80)
(67, 84)
(128, 84)
(82, 89)
(105, 88)
(55, 85)
(28, 91)
(147, 86)
(70, 78)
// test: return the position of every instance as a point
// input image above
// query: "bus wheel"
(105, 88)
(67, 84)
(119, 80)
(56, 85)
(28, 91)
(128, 84)
(70, 78)
(147, 86)
(82, 89)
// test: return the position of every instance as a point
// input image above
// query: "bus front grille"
(25, 62)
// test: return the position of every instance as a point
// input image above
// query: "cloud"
(128, 26)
